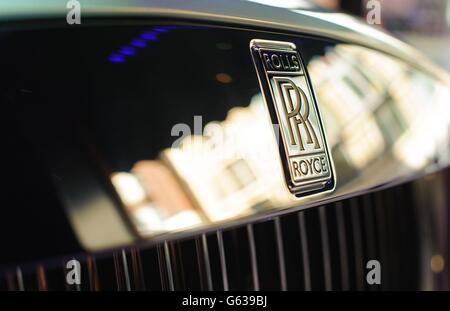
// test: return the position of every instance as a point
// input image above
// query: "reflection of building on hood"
(154, 198)
(234, 168)
(231, 176)
(214, 177)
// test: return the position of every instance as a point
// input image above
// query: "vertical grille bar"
(41, 278)
(136, 265)
(93, 275)
(342, 247)
(280, 250)
(223, 263)
(118, 272)
(19, 277)
(162, 265)
(369, 229)
(253, 259)
(207, 262)
(168, 266)
(125, 271)
(357, 243)
(325, 248)
(304, 242)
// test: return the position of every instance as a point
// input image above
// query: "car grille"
(322, 248)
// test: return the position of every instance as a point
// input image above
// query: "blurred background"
(424, 24)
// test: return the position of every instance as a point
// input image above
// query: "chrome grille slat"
(136, 265)
(200, 262)
(19, 277)
(223, 263)
(162, 268)
(357, 243)
(41, 278)
(168, 266)
(370, 237)
(92, 273)
(304, 242)
(392, 226)
(325, 248)
(125, 271)
(342, 247)
(118, 272)
(254, 262)
(315, 250)
(207, 263)
(382, 237)
(280, 251)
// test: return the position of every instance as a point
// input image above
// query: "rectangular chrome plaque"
(292, 106)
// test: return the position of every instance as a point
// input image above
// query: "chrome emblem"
(288, 93)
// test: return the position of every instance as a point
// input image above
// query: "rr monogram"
(292, 108)
(288, 93)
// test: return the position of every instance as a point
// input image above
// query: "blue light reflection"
(141, 41)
